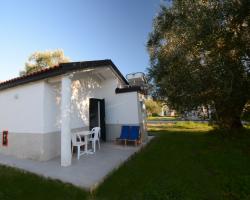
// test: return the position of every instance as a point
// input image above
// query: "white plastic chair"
(77, 142)
(96, 131)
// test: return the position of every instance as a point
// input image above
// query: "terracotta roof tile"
(30, 74)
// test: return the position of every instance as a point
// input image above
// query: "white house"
(40, 110)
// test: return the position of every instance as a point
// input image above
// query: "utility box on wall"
(5, 138)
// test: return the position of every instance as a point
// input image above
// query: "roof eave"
(62, 69)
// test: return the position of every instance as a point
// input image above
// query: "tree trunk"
(229, 116)
(230, 122)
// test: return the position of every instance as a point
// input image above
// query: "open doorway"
(97, 115)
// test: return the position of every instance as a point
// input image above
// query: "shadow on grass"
(18, 184)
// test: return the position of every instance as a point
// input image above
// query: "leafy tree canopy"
(152, 107)
(43, 59)
(197, 50)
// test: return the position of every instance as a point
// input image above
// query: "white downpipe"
(65, 118)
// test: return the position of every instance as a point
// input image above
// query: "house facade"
(39, 111)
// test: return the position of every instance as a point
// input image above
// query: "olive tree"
(198, 51)
(43, 59)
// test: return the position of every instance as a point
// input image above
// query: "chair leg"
(94, 145)
(99, 144)
(72, 150)
(78, 152)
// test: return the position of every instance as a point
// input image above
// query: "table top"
(84, 133)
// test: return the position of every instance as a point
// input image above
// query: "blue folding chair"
(124, 134)
(134, 134)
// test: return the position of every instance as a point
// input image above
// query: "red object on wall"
(5, 138)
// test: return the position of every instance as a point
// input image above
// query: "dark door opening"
(97, 115)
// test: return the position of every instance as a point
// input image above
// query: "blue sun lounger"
(134, 134)
(130, 133)
(124, 134)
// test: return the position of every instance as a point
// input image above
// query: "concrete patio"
(88, 172)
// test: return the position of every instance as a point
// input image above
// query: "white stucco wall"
(82, 90)
(119, 108)
(22, 109)
(122, 109)
(51, 106)
(35, 107)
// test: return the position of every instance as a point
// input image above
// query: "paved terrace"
(88, 172)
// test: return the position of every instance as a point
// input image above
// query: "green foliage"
(153, 107)
(246, 112)
(197, 50)
(40, 60)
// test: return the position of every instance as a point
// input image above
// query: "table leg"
(86, 145)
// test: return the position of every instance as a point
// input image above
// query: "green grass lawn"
(162, 118)
(184, 161)
(18, 185)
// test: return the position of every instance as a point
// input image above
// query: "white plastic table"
(86, 134)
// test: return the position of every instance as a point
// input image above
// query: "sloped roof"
(60, 70)
(131, 88)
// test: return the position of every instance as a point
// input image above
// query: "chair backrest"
(75, 137)
(124, 132)
(96, 131)
(134, 133)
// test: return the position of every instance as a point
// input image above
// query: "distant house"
(40, 108)
(166, 111)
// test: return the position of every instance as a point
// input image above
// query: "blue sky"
(84, 29)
